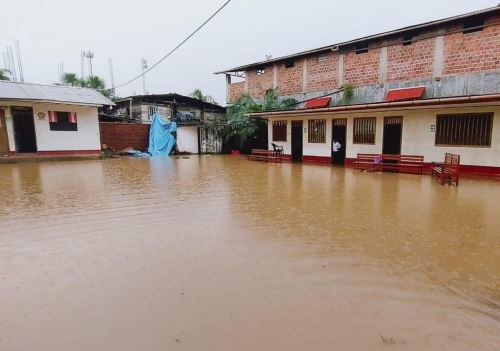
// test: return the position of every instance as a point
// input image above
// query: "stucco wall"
(187, 139)
(86, 138)
(417, 138)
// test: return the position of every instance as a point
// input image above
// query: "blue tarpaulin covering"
(161, 139)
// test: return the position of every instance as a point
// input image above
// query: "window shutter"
(52, 117)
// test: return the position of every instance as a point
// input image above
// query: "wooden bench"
(265, 156)
(384, 162)
(448, 172)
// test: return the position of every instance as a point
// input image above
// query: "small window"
(474, 24)
(317, 131)
(289, 63)
(362, 47)
(408, 39)
(63, 121)
(260, 71)
(279, 130)
(364, 130)
(472, 129)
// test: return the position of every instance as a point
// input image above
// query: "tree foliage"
(93, 82)
(3, 74)
(243, 127)
(198, 94)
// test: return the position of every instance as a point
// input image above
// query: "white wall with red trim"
(86, 138)
(417, 136)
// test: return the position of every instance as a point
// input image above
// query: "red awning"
(319, 102)
(404, 94)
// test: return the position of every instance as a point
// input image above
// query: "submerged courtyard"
(219, 253)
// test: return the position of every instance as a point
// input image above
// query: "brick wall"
(462, 53)
(236, 90)
(322, 72)
(122, 135)
(290, 79)
(473, 52)
(258, 84)
(362, 69)
(411, 61)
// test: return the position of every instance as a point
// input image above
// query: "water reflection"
(154, 250)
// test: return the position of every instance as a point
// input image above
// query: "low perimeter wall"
(122, 135)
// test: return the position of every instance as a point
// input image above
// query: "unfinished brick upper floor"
(432, 53)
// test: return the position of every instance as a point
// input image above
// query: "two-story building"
(424, 90)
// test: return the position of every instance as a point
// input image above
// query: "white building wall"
(187, 139)
(417, 138)
(86, 138)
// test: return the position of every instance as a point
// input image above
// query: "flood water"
(219, 253)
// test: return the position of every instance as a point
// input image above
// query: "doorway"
(24, 129)
(339, 141)
(297, 140)
(393, 132)
(4, 141)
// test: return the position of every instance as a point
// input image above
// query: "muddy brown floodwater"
(219, 253)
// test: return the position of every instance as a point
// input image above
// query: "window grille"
(364, 130)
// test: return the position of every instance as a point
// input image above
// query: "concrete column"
(438, 59)
(382, 66)
(275, 76)
(245, 84)
(304, 75)
(228, 83)
(341, 70)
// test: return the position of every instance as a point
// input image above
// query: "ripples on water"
(225, 254)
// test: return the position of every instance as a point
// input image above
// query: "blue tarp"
(161, 139)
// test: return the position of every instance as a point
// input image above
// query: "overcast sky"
(55, 31)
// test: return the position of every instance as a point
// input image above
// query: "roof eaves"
(370, 37)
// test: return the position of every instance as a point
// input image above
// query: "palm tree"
(3, 74)
(198, 95)
(242, 127)
(95, 82)
(71, 79)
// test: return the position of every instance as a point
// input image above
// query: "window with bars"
(317, 131)
(364, 130)
(279, 130)
(468, 129)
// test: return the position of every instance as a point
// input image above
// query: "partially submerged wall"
(122, 135)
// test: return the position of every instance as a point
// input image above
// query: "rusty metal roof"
(368, 38)
(52, 93)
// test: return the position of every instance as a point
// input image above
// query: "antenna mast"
(144, 66)
(111, 75)
(19, 63)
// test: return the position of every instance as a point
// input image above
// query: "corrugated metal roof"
(53, 93)
(368, 38)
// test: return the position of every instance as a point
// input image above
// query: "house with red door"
(49, 120)
(427, 89)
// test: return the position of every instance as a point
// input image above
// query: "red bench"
(383, 162)
(265, 156)
(448, 171)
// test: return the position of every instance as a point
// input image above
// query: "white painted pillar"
(438, 59)
(341, 70)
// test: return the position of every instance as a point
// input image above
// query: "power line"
(177, 47)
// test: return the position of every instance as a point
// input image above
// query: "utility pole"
(60, 72)
(19, 63)
(144, 66)
(12, 66)
(82, 59)
(111, 76)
